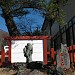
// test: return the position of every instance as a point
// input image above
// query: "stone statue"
(63, 59)
(28, 51)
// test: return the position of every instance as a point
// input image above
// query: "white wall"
(17, 50)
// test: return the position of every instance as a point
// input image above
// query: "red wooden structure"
(71, 49)
(44, 38)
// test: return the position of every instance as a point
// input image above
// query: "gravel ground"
(7, 71)
(22, 70)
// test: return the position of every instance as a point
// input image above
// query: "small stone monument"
(63, 59)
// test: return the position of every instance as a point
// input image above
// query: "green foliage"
(16, 6)
(61, 18)
(53, 10)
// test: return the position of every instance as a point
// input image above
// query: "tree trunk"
(12, 29)
(5, 5)
(11, 26)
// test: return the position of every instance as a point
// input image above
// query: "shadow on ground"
(35, 65)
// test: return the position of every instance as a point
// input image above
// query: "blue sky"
(2, 24)
(35, 15)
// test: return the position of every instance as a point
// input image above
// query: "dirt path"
(6, 71)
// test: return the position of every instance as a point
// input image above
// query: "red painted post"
(9, 52)
(74, 57)
(45, 51)
(74, 52)
(73, 47)
(0, 63)
(71, 57)
(3, 56)
(54, 63)
(52, 53)
(70, 47)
